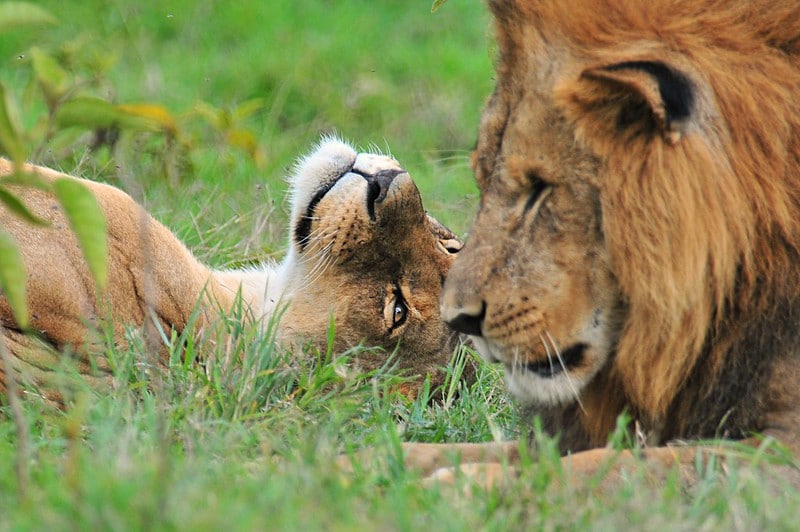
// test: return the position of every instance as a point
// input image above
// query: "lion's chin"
(555, 381)
(531, 388)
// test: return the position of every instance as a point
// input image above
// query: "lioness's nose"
(378, 185)
(464, 316)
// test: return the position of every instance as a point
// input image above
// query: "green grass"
(250, 444)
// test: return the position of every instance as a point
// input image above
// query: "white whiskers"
(570, 383)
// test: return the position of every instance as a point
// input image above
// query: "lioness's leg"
(430, 457)
(603, 468)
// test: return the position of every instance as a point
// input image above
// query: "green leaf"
(244, 140)
(87, 220)
(437, 4)
(15, 205)
(10, 138)
(210, 114)
(53, 79)
(86, 112)
(155, 114)
(14, 15)
(249, 108)
(12, 278)
(93, 113)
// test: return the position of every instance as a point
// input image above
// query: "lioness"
(637, 246)
(361, 250)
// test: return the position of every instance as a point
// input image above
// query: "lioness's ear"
(448, 239)
(659, 95)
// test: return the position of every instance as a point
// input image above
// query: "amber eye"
(400, 312)
(395, 308)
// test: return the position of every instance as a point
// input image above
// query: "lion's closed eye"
(538, 187)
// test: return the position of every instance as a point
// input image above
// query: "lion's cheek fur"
(671, 290)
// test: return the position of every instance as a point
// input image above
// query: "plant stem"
(15, 406)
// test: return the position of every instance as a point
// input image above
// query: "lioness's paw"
(483, 475)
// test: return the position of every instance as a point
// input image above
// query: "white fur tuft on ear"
(331, 158)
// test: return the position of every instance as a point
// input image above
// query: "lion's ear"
(652, 94)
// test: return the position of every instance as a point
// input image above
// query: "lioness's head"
(632, 164)
(366, 255)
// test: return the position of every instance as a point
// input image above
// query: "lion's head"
(640, 198)
(366, 255)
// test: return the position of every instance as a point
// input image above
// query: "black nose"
(378, 187)
(468, 323)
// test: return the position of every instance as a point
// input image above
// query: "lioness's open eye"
(395, 308)
(399, 312)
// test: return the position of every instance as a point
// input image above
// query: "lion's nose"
(465, 318)
(378, 185)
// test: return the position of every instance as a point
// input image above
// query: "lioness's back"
(148, 268)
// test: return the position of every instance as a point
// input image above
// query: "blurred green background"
(387, 74)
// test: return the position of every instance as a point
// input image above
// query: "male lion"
(362, 250)
(637, 245)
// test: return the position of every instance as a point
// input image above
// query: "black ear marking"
(663, 94)
(677, 92)
(302, 231)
